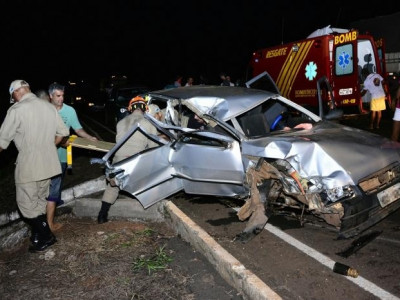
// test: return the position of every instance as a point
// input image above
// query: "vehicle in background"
(268, 152)
(328, 64)
(96, 102)
(79, 93)
(118, 102)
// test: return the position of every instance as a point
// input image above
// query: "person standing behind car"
(136, 143)
(396, 118)
(35, 127)
(70, 118)
(189, 81)
(374, 84)
(42, 94)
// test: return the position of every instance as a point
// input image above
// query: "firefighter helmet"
(137, 102)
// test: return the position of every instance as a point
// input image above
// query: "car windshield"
(268, 116)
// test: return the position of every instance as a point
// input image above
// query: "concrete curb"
(125, 207)
(13, 229)
(68, 195)
(227, 266)
(84, 189)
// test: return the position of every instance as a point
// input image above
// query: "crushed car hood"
(334, 144)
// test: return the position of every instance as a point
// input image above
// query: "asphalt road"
(297, 261)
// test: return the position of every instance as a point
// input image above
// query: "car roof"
(233, 100)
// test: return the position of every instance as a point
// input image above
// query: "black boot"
(45, 237)
(34, 233)
(103, 213)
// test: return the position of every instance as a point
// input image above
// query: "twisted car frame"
(249, 148)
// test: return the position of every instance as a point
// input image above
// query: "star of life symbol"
(311, 70)
(344, 60)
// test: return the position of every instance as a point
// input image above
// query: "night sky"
(152, 41)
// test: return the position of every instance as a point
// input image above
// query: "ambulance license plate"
(389, 195)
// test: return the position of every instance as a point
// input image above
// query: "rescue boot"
(45, 238)
(103, 213)
(34, 238)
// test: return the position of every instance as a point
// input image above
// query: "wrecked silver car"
(249, 146)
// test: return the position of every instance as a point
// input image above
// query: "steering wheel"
(281, 117)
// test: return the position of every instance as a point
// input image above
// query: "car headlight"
(123, 110)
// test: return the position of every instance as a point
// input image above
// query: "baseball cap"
(15, 85)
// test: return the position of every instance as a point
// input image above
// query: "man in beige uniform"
(35, 127)
(136, 143)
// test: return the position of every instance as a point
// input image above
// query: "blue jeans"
(56, 185)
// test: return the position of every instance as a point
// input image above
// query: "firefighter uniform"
(33, 124)
(136, 143)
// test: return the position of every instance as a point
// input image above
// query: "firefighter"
(35, 127)
(136, 143)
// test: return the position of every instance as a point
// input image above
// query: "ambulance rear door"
(345, 70)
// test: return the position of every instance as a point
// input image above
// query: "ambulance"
(327, 67)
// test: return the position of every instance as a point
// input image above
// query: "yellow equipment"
(69, 151)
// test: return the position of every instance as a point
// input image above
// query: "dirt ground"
(115, 260)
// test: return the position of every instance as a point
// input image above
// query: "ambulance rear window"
(344, 64)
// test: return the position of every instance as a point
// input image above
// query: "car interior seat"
(254, 125)
(370, 67)
(273, 112)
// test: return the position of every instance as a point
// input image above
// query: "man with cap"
(35, 127)
(136, 143)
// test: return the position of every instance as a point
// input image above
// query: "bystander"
(42, 94)
(374, 84)
(189, 81)
(70, 118)
(396, 117)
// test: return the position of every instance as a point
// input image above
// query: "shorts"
(378, 104)
(56, 185)
(396, 116)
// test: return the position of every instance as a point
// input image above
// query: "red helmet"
(137, 102)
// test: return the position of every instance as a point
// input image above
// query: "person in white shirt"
(374, 84)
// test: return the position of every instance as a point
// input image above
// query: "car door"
(208, 163)
(148, 176)
(197, 162)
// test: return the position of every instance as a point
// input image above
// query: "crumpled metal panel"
(314, 155)
(146, 171)
(239, 100)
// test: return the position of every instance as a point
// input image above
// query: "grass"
(139, 237)
(157, 262)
